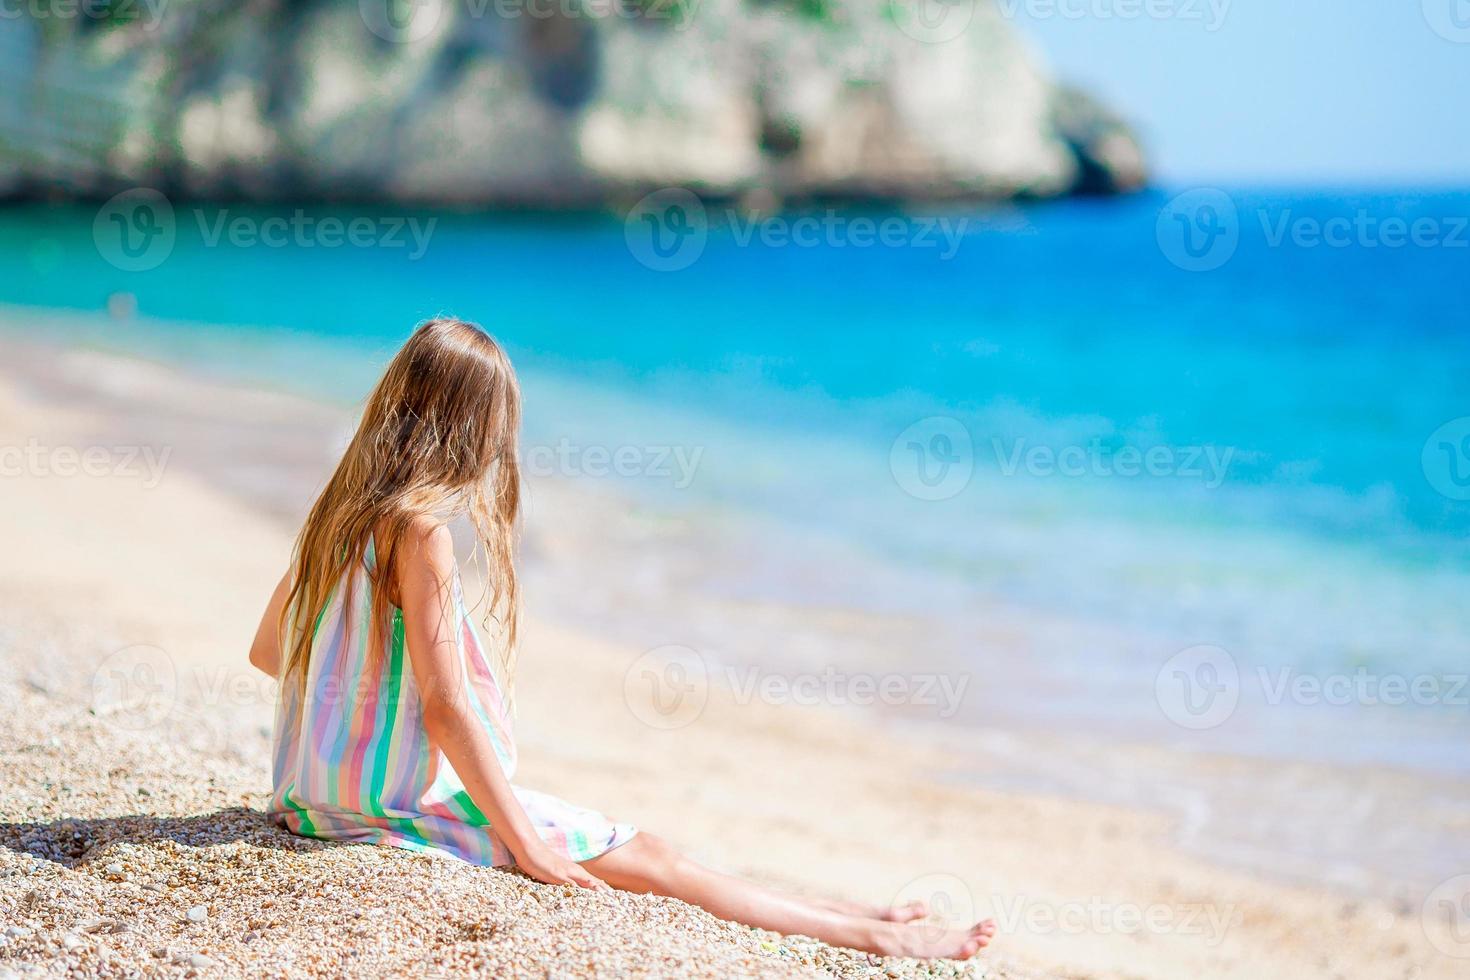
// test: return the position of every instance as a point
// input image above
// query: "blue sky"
(1275, 91)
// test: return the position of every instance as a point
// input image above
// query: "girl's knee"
(647, 863)
(658, 860)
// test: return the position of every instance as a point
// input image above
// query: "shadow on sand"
(69, 842)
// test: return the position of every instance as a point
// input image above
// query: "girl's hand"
(544, 864)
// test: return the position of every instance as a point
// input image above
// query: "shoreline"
(1098, 669)
(769, 773)
(1221, 800)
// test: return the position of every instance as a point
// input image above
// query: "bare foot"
(929, 942)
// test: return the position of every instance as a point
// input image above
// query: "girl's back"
(352, 758)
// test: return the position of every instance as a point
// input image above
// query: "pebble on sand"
(105, 890)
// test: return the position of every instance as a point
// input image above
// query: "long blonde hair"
(437, 440)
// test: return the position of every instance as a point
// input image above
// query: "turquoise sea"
(1234, 419)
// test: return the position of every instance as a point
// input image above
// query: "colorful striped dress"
(353, 762)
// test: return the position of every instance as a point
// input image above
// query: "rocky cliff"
(543, 102)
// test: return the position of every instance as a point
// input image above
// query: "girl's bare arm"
(425, 582)
(265, 649)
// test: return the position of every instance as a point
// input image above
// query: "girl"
(391, 726)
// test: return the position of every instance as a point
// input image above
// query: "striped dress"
(352, 761)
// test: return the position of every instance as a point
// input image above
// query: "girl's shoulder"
(429, 537)
(424, 551)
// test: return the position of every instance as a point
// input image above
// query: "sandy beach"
(132, 838)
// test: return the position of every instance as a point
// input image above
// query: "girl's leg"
(648, 864)
(907, 912)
